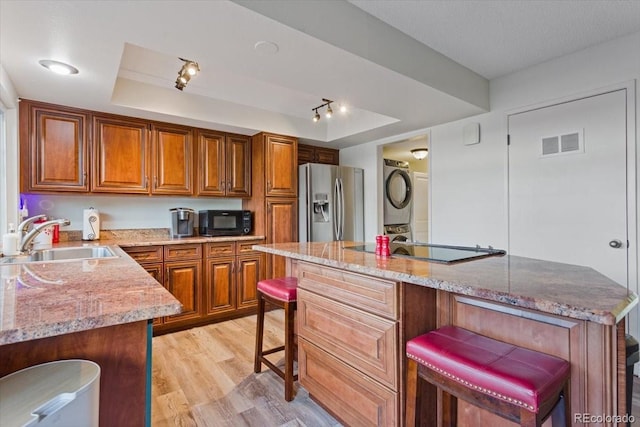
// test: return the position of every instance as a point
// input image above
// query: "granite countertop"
(45, 299)
(561, 289)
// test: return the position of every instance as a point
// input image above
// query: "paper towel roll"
(90, 224)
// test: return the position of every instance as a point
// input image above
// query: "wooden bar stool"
(515, 383)
(282, 293)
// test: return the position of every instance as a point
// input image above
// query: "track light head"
(188, 70)
(329, 112)
(316, 117)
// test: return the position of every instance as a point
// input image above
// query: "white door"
(567, 184)
(420, 207)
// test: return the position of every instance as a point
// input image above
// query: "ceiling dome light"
(343, 108)
(58, 67)
(420, 153)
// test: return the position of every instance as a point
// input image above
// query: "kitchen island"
(356, 311)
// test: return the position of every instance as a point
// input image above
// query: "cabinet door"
(55, 152)
(120, 156)
(250, 272)
(238, 163)
(282, 227)
(327, 156)
(306, 154)
(183, 279)
(219, 290)
(156, 271)
(211, 163)
(281, 166)
(172, 154)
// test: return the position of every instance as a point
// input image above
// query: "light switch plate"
(471, 133)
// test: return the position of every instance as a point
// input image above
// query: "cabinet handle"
(84, 178)
(155, 182)
(166, 276)
(268, 185)
(146, 181)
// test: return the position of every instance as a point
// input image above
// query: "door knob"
(615, 243)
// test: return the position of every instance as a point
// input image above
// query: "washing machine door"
(398, 188)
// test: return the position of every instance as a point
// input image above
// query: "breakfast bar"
(357, 310)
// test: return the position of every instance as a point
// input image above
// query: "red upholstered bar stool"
(515, 383)
(282, 293)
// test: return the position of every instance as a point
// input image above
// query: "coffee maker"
(182, 222)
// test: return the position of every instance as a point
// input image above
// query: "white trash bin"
(64, 393)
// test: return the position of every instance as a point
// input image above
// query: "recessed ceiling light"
(266, 48)
(58, 67)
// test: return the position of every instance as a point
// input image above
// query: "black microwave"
(224, 223)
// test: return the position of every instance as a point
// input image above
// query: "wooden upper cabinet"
(281, 166)
(211, 163)
(120, 156)
(238, 165)
(54, 148)
(224, 164)
(172, 160)
(312, 154)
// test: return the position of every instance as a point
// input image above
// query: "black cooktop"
(435, 253)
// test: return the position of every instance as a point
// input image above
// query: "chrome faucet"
(24, 225)
(26, 241)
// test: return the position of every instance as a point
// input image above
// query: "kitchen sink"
(61, 254)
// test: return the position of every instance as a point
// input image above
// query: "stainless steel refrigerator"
(331, 203)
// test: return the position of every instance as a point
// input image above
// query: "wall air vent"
(566, 143)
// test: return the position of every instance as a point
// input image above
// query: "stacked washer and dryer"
(398, 196)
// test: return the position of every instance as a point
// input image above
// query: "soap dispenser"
(11, 242)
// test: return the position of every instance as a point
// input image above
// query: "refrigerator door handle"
(341, 210)
(336, 208)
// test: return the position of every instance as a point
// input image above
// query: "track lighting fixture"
(188, 70)
(327, 114)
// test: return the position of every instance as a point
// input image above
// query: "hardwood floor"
(204, 377)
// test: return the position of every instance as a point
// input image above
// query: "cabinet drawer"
(145, 254)
(368, 293)
(174, 252)
(360, 339)
(219, 249)
(360, 401)
(246, 246)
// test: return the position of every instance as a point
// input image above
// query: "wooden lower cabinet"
(220, 296)
(184, 280)
(232, 271)
(282, 227)
(213, 281)
(349, 344)
(343, 390)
